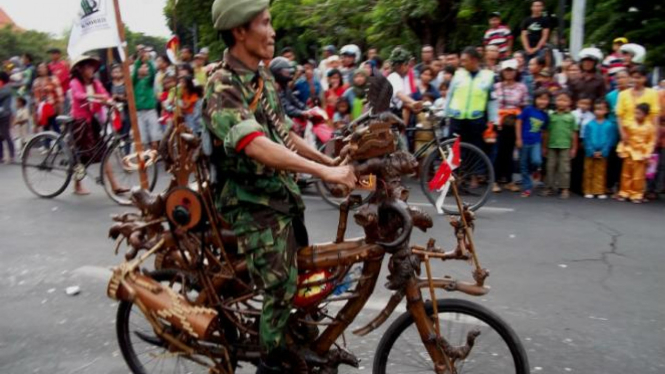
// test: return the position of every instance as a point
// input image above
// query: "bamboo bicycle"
(198, 310)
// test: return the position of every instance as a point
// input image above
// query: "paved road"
(580, 281)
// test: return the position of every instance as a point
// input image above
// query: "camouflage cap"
(228, 14)
(399, 55)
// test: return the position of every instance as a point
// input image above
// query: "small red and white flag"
(444, 175)
(172, 49)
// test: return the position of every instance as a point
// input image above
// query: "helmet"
(590, 53)
(351, 49)
(399, 55)
(637, 51)
(282, 70)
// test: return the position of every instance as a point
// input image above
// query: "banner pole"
(131, 101)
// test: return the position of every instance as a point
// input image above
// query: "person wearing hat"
(399, 58)
(256, 154)
(614, 62)
(545, 80)
(324, 66)
(200, 75)
(499, 35)
(59, 68)
(590, 84)
(87, 92)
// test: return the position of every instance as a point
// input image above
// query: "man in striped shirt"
(499, 35)
(614, 63)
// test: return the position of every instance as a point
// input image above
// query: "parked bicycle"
(474, 177)
(50, 160)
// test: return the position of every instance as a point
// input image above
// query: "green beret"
(400, 55)
(229, 14)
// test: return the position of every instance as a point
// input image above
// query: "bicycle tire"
(465, 147)
(123, 327)
(464, 307)
(123, 200)
(34, 145)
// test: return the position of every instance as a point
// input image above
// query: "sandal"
(526, 193)
(496, 188)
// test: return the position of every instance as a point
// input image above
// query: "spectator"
(535, 31)
(448, 73)
(21, 121)
(342, 116)
(28, 77)
(426, 56)
(598, 140)
(634, 55)
(441, 103)
(545, 81)
(5, 118)
(452, 59)
(521, 62)
(119, 95)
(87, 93)
(401, 94)
(583, 114)
(205, 52)
(349, 59)
(560, 77)
(335, 91)
(60, 69)
(499, 35)
(308, 88)
(492, 58)
(591, 84)
(186, 55)
(425, 85)
(189, 97)
(324, 66)
(571, 74)
(622, 80)
(164, 67)
(48, 99)
(614, 62)
(536, 65)
(437, 70)
(469, 105)
(372, 53)
(529, 138)
(511, 96)
(282, 69)
(200, 76)
(631, 98)
(561, 138)
(355, 95)
(143, 80)
(635, 148)
(166, 99)
(287, 53)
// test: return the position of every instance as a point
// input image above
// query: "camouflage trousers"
(270, 248)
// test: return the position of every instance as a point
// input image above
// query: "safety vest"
(470, 95)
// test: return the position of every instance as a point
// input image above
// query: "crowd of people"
(589, 124)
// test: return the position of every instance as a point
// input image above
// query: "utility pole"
(577, 27)
(562, 24)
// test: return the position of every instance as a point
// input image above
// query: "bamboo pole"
(131, 101)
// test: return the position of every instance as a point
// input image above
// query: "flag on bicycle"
(444, 175)
(94, 28)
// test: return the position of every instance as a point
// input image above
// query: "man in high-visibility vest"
(470, 104)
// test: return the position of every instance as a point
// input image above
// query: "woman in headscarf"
(357, 93)
(88, 94)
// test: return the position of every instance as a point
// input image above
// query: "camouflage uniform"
(261, 203)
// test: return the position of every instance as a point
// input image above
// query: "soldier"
(257, 151)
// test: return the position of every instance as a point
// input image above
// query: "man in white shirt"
(401, 94)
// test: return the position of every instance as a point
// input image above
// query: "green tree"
(16, 43)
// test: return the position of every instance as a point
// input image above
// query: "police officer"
(259, 197)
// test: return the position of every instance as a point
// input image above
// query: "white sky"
(54, 16)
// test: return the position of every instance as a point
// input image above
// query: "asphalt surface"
(581, 282)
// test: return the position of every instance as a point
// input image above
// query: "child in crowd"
(598, 140)
(342, 115)
(189, 96)
(583, 115)
(21, 122)
(440, 103)
(636, 148)
(165, 99)
(560, 145)
(528, 131)
(424, 124)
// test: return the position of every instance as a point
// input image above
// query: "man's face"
(623, 79)
(348, 60)
(289, 56)
(402, 69)
(537, 7)
(116, 73)
(371, 54)
(495, 22)
(492, 53)
(427, 54)
(259, 38)
(469, 63)
(534, 68)
(452, 60)
(588, 65)
(186, 55)
(437, 66)
(616, 46)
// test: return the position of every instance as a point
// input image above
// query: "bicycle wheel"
(145, 352)
(114, 161)
(496, 350)
(47, 164)
(474, 177)
(324, 188)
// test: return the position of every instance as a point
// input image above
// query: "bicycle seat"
(62, 120)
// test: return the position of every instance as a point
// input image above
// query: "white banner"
(94, 28)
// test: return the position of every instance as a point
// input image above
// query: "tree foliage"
(448, 25)
(15, 43)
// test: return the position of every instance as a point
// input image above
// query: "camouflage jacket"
(249, 184)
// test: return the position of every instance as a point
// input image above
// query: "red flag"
(116, 120)
(441, 177)
(172, 48)
(456, 161)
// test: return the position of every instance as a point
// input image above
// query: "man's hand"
(343, 175)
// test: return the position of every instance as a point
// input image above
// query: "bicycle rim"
(496, 350)
(47, 165)
(474, 177)
(125, 176)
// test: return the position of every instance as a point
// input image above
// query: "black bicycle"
(474, 177)
(50, 160)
